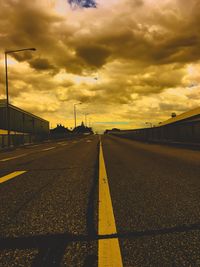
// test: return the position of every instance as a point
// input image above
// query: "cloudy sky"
(127, 61)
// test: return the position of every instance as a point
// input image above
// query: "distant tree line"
(62, 130)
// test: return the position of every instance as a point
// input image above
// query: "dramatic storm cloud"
(127, 61)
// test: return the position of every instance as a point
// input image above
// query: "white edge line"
(7, 159)
(50, 148)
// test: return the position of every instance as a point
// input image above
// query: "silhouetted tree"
(82, 129)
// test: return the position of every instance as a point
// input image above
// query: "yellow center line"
(109, 254)
(10, 176)
(6, 159)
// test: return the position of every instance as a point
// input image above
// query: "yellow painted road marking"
(10, 176)
(22, 155)
(109, 254)
(50, 148)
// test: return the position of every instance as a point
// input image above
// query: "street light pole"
(75, 113)
(7, 101)
(85, 120)
(90, 122)
(7, 90)
(86, 114)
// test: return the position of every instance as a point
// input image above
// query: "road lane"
(48, 215)
(29, 149)
(155, 192)
(109, 253)
(20, 158)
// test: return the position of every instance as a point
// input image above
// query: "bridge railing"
(186, 132)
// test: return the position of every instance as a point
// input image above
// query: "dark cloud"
(42, 64)
(27, 24)
(23, 56)
(93, 55)
(121, 37)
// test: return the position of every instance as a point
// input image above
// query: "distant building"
(21, 121)
(107, 131)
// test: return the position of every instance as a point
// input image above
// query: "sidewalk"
(194, 146)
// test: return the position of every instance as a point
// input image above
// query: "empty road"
(100, 201)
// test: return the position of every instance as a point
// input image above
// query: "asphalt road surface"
(79, 202)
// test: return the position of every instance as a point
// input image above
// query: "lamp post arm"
(19, 50)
